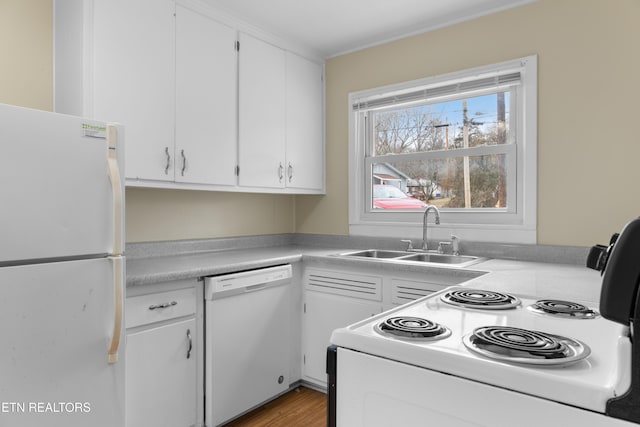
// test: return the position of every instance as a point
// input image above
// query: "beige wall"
(154, 214)
(25, 53)
(588, 108)
(589, 101)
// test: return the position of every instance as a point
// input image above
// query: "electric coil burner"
(517, 345)
(413, 328)
(562, 308)
(481, 299)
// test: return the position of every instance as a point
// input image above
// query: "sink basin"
(377, 253)
(422, 257)
(441, 258)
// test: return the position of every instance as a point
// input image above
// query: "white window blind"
(495, 82)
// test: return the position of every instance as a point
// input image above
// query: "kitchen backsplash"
(536, 253)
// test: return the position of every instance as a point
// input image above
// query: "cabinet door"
(304, 128)
(161, 376)
(205, 100)
(322, 314)
(261, 114)
(133, 77)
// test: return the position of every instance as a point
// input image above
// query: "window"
(464, 142)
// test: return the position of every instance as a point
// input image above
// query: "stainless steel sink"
(377, 253)
(420, 257)
(459, 260)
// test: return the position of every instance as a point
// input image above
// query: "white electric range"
(475, 357)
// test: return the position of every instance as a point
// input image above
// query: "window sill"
(495, 233)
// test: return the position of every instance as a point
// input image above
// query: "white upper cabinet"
(280, 118)
(114, 60)
(205, 100)
(197, 113)
(262, 101)
(133, 77)
(304, 124)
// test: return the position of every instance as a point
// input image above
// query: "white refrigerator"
(61, 270)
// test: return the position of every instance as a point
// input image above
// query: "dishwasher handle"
(254, 288)
(226, 285)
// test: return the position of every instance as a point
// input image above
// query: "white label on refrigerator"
(94, 130)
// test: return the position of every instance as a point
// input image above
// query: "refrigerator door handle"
(114, 344)
(116, 190)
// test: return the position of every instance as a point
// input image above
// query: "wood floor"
(301, 407)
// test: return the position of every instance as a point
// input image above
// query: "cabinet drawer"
(145, 309)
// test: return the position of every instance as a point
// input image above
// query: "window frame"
(514, 224)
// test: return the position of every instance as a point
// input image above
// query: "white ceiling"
(332, 27)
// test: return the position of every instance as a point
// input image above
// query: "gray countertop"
(143, 271)
(156, 269)
(561, 281)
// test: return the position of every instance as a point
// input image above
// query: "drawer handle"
(164, 305)
(190, 343)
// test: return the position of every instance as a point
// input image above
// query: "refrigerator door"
(56, 193)
(56, 322)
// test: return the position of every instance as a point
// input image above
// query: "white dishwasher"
(247, 334)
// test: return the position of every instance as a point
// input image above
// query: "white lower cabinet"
(161, 360)
(335, 296)
(165, 341)
(333, 299)
(324, 313)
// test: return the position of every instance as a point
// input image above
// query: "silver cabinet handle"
(280, 172)
(166, 168)
(163, 305)
(290, 171)
(190, 343)
(184, 162)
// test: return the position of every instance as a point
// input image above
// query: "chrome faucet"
(424, 223)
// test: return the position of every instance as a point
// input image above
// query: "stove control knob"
(597, 258)
(599, 254)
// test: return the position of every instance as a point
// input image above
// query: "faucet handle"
(442, 246)
(455, 244)
(409, 244)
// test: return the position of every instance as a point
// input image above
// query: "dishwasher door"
(247, 340)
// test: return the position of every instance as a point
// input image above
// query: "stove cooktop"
(598, 351)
